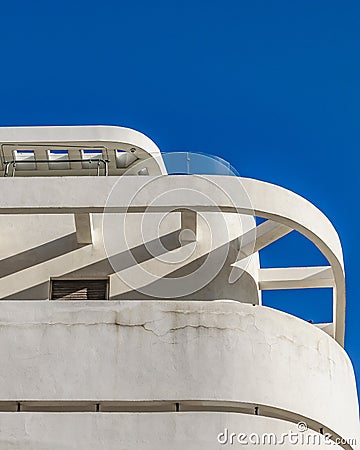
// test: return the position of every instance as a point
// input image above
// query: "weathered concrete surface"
(155, 351)
(148, 431)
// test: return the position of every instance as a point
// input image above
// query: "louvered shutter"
(79, 290)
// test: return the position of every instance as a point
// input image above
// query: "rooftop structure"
(131, 305)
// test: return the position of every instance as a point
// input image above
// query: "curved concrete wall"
(146, 431)
(223, 352)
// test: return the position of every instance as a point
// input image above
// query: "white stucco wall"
(225, 352)
(149, 431)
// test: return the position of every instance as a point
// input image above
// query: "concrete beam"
(84, 228)
(296, 278)
(327, 328)
(188, 226)
(263, 235)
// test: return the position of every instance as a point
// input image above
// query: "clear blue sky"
(271, 86)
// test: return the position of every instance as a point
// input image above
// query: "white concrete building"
(131, 313)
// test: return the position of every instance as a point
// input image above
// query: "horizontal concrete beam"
(327, 327)
(296, 278)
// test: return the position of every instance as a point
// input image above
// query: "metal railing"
(13, 164)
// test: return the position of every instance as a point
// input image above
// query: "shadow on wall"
(214, 289)
(38, 255)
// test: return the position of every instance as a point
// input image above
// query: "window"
(56, 156)
(79, 289)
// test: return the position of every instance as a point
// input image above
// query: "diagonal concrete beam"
(263, 235)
